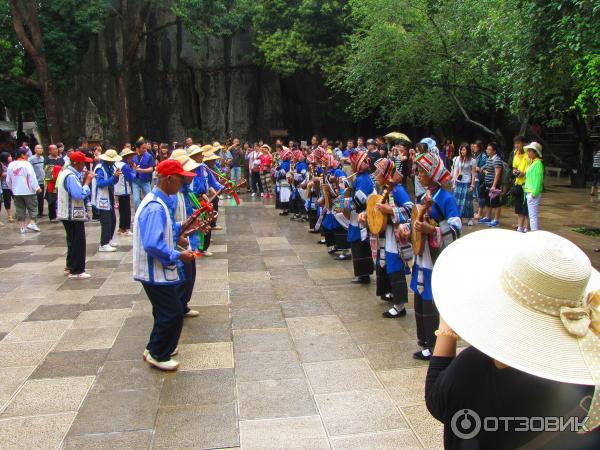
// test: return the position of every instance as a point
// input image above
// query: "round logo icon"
(465, 424)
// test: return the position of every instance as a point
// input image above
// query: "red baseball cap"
(172, 167)
(78, 157)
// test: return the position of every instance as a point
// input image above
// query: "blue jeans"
(140, 190)
(236, 174)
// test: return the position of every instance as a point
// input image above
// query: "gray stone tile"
(327, 348)
(128, 348)
(203, 426)
(131, 440)
(208, 298)
(299, 308)
(204, 332)
(16, 433)
(249, 319)
(301, 327)
(48, 330)
(104, 318)
(116, 411)
(201, 387)
(389, 440)
(122, 301)
(127, 375)
(405, 386)
(17, 354)
(49, 396)
(213, 355)
(265, 340)
(239, 304)
(361, 411)
(67, 364)
(76, 285)
(87, 339)
(267, 366)
(275, 398)
(390, 355)
(55, 312)
(429, 430)
(380, 330)
(137, 326)
(11, 378)
(293, 433)
(341, 375)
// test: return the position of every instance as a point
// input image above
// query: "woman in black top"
(540, 312)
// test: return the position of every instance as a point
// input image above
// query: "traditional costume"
(284, 190)
(447, 229)
(392, 256)
(298, 192)
(358, 235)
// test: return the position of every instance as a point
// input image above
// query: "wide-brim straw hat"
(535, 146)
(210, 156)
(110, 155)
(126, 152)
(188, 163)
(194, 150)
(509, 304)
(217, 145)
(177, 153)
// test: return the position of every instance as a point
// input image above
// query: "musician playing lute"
(439, 229)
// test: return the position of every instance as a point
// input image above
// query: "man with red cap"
(72, 190)
(158, 265)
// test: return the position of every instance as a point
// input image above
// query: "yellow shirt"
(520, 163)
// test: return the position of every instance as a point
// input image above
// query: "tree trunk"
(584, 151)
(123, 89)
(25, 16)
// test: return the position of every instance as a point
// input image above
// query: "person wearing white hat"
(534, 183)
(531, 313)
(103, 197)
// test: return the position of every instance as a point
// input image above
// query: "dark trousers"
(255, 182)
(167, 311)
(206, 241)
(51, 198)
(75, 246)
(124, 212)
(362, 260)
(215, 204)
(187, 287)
(399, 287)
(40, 200)
(428, 320)
(108, 223)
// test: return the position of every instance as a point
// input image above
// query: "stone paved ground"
(285, 353)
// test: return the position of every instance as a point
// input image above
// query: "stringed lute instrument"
(419, 213)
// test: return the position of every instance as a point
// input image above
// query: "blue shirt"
(194, 238)
(74, 187)
(111, 180)
(152, 221)
(144, 162)
(203, 180)
(128, 173)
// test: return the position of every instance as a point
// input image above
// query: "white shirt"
(21, 178)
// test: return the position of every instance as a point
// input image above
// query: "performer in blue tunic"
(298, 192)
(358, 235)
(440, 228)
(391, 257)
(282, 181)
(157, 264)
(335, 234)
(204, 183)
(312, 188)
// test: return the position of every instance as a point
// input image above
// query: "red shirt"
(265, 162)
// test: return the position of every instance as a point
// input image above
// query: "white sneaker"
(113, 244)
(253, 194)
(79, 276)
(33, 227)
(191, 313)
(23, 230)
(107, 248)
(169, 365)
(470, 223)
(128, 233)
